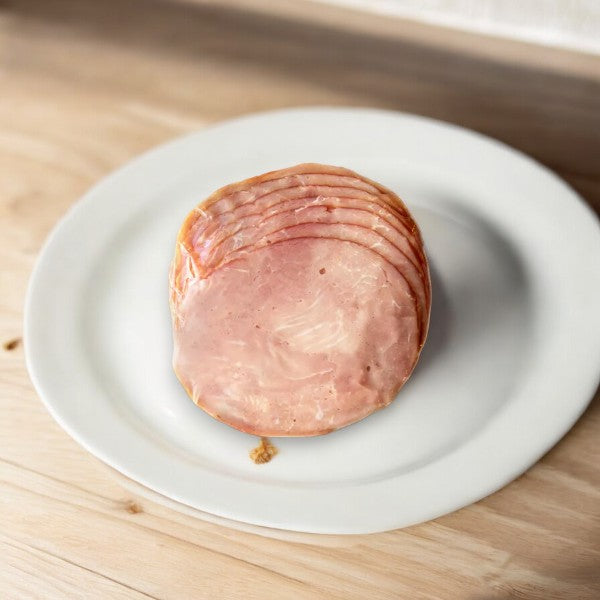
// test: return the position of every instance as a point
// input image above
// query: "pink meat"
(371, 213)
(299, 338)
(214, 225)
(300, 300)
(230, 196)
(318, 221)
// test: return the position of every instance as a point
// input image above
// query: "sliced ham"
(241, 205)
(334, 224)
(376, 216)
(300, 301)
(299, 338)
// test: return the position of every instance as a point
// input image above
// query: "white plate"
(511, 360)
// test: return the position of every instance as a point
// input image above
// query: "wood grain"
(86, 86)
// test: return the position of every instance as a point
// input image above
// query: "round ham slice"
(297, 312)
(299, 338)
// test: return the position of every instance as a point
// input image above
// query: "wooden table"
(86, 86)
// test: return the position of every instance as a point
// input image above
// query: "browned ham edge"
(377, 217)
(238, 202)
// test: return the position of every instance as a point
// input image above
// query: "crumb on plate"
(263, 453)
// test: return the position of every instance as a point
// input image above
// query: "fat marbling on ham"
(300, 301)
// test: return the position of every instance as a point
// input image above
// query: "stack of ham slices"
(300, 301)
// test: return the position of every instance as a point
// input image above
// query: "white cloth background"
(573, 24)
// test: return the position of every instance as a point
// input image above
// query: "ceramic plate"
(510, 363)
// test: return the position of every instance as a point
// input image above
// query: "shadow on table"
(549, 115)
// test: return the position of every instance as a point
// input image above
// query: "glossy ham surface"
(300, 301)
